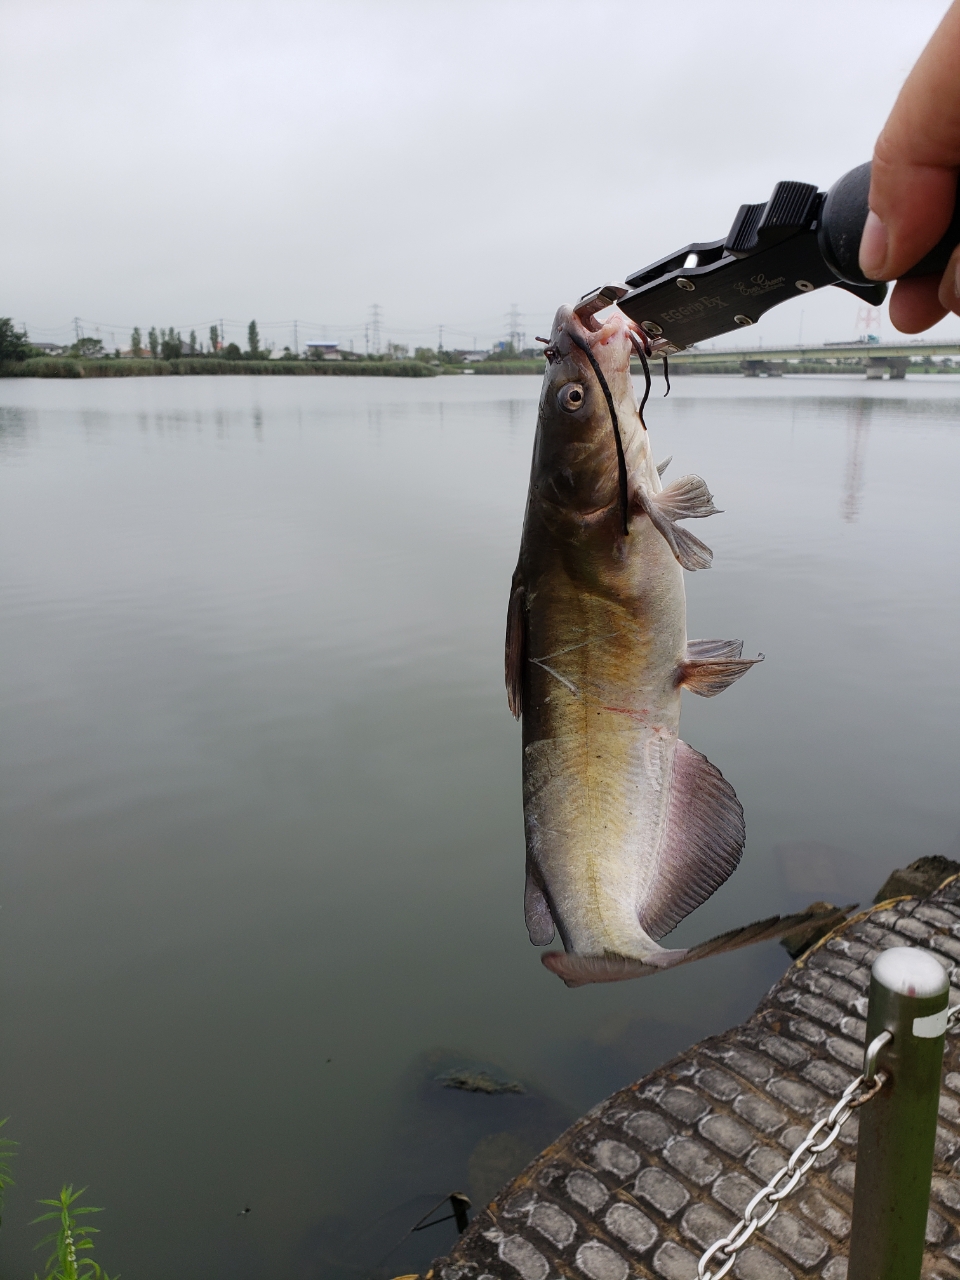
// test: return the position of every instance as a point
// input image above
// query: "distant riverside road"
(55, 367)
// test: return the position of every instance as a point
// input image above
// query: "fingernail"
(873, 246)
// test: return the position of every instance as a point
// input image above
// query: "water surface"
(262, 859)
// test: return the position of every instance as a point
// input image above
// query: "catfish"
(628, 829)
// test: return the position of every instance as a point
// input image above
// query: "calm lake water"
(262, 859)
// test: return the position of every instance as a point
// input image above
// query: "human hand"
(914, 184)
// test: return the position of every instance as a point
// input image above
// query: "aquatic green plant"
(8, 1149)
(69, 1239)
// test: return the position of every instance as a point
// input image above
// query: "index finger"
(917, 157)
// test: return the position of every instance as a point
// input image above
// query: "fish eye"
(571, 397)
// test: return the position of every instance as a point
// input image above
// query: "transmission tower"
(515, 335)
(868, 320)
(375, 328)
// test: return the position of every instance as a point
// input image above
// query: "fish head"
(587, 398)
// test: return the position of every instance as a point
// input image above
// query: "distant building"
(49, 348)
(324, 351)
(471, 356)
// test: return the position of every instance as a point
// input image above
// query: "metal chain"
(855, 1095)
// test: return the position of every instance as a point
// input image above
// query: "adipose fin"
(536, 912)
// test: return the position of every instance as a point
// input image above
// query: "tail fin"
(578, 971)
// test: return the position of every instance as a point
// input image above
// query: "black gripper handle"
(841, 226)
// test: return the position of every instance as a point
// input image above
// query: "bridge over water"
(875, 359)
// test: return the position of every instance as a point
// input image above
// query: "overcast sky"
(175, 163)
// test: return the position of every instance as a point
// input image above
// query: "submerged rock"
(478, 1081)
(919, 879)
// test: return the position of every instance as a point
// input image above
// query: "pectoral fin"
(713, 665)
(686, 498)
(515, 648)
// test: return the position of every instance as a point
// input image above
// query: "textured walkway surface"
(650, 1177)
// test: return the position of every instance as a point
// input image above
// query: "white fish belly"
(595, 810)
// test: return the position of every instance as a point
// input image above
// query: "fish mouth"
(615, 338)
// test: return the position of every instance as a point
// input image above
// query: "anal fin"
(713, 665)
(701, 843)
(662, 466)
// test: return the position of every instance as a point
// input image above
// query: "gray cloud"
(178, 162)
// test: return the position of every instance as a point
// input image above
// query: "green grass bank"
(55, 367)
(508, 366)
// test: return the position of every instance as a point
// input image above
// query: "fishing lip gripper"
(800, 240)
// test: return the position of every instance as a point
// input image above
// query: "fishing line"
(621, 460)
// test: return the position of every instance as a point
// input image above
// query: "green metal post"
(909, 994)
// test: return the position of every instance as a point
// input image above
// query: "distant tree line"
(169, 344)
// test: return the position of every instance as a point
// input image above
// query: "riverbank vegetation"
(165, 352)
(68, 1237)
(73, 367)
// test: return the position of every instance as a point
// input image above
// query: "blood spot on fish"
(628, 711)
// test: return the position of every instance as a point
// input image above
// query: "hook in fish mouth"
(551, 351)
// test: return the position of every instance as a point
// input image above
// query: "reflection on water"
(263, 854)
(858, 426)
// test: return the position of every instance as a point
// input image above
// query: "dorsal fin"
(701, 843)
(515, 648)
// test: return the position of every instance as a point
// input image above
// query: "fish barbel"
(628, 829)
